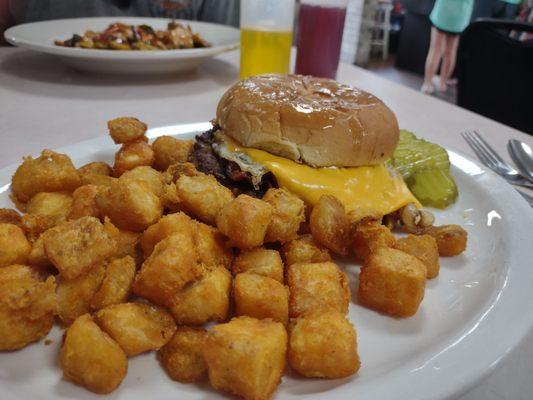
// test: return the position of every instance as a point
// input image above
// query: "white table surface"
(43, 104)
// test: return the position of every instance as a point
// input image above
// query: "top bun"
(316, 121)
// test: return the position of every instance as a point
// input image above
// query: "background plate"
(40, 36)
(473, 314)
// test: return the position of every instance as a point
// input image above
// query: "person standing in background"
(449, 18)
(506, 9)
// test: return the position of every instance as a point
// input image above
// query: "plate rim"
(509, 336)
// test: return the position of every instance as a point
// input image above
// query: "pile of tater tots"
(151, 254)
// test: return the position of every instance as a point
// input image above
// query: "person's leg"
(436, 48)
(511, 10)
(448, 60)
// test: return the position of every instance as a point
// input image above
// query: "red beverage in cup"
(319, 38)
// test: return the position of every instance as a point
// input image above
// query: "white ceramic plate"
(473, 314)
(40, 36)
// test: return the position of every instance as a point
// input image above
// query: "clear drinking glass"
(266, 36)
(320, 26)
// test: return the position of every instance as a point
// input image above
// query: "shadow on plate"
(55, 79)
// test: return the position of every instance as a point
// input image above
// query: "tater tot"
(130, 205)
(289, 213)
(323, 344)
(451, 239)
(392, 282)
(261, 297)
(9, 216)
(153, 178)
(74, 296)
(166, 226)
(132, 155)
(330, 225)
(169, 150)
(126, 129)
(127, 241)
(96, 167)
(368, 237)
(97, 179)
(14, 247)
(56, 205)
(246, 357)
(259, 261)
(35, 224)
(51, 172)
(423, 247)
(211, 246)
(304, 250)
(90, 358)
(205, 300)
(182, 356)
(37, 254)
(27, 306)
(136, 327)
(77, 246)
(244, 221)
(202, 196)
(84, 203)
(171, 266)
(317, 286)
(117, 283)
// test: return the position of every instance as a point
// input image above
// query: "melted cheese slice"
(374, 187)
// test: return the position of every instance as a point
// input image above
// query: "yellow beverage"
(264, 52)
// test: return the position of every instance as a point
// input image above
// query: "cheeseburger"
(312, 136)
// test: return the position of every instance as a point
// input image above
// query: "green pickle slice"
(425, 167)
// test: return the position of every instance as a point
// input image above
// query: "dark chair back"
(496, 72)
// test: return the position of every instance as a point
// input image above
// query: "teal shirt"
(452, 15)
(512, 1)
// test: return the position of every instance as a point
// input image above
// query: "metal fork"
(488, 156)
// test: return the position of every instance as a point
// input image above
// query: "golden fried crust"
(27, 306)
(304, 250)
(289, 213)
(84, 203)
(245, 221)
(169, 150)
(423, 247)
(205, 300)
(90, 358)
(330, 225)
(75, 295)
(392, 282)
(117, 283)
(132, 155)
(259, 261)
(202, 196)
(246, 357)
(14, 247)
(171, 266)
(317, 286)
(51, 172)
(126, 129)
(77, 246)
(136, 327)
(323, 345)
(261, 297)
(182, 356)
(130, 205)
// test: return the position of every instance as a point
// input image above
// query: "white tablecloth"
(45, 104)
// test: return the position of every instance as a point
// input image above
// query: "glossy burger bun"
(316, 121)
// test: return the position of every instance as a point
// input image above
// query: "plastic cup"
(266, 36)
(320, 27)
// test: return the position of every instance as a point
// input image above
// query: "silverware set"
(520, 153)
